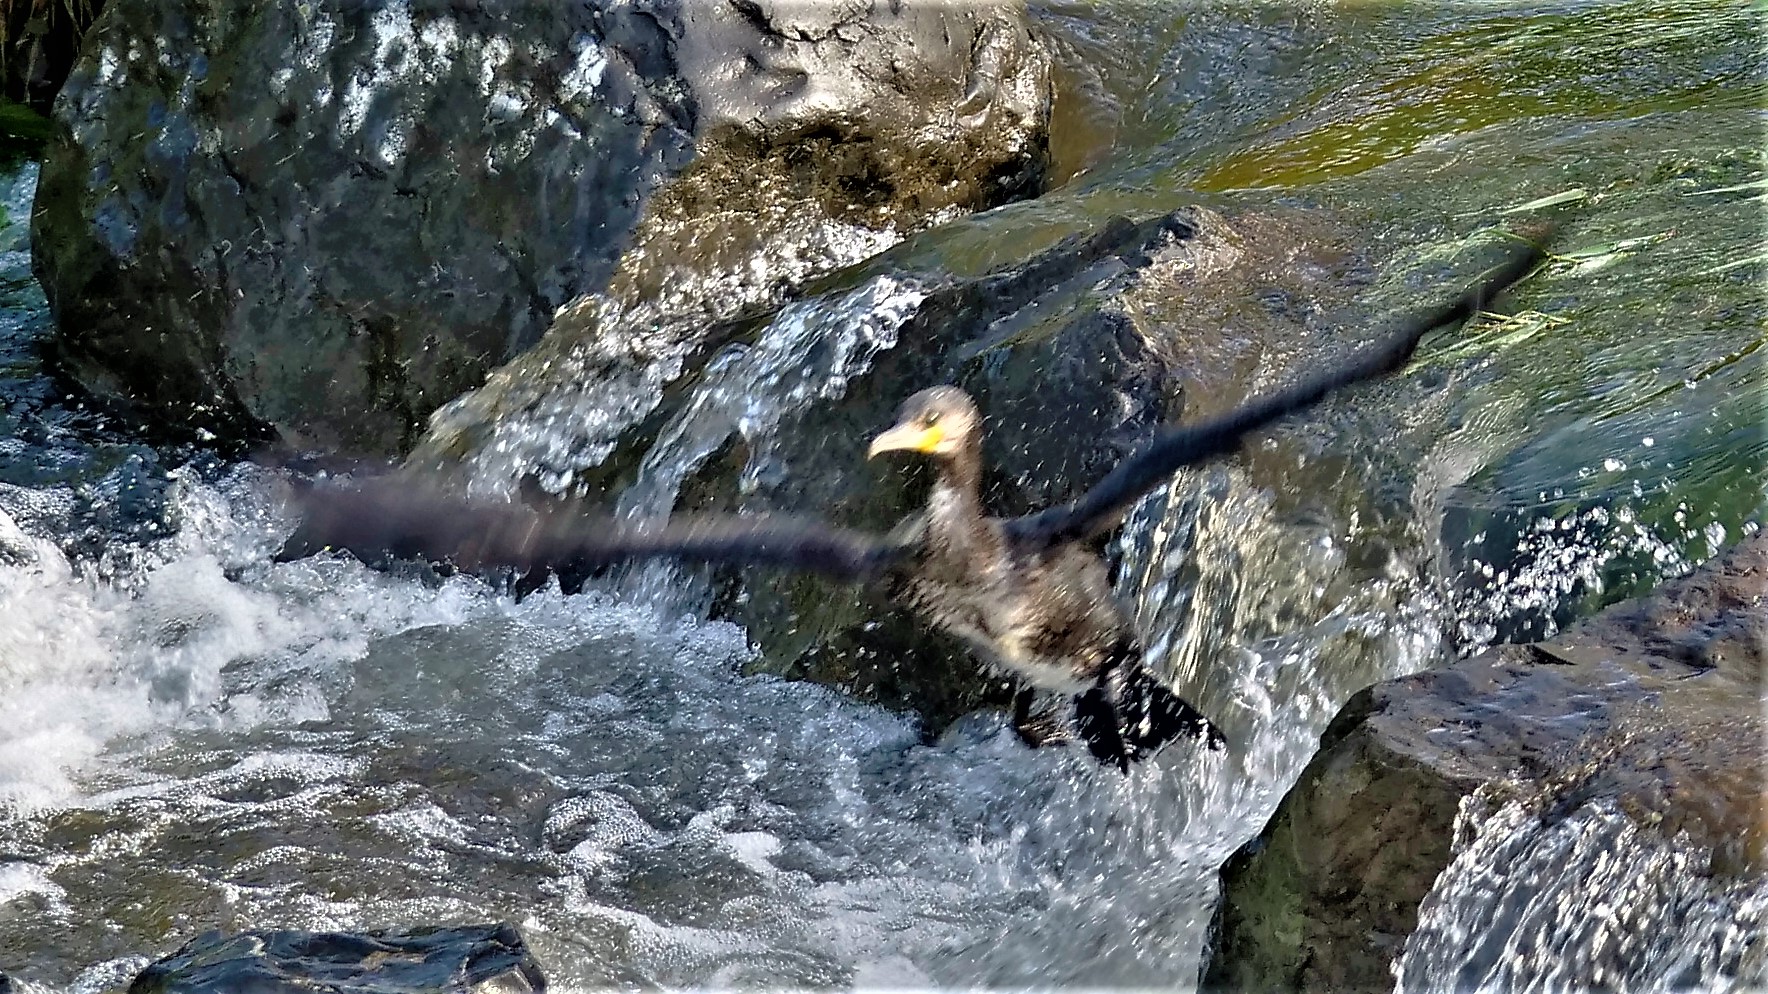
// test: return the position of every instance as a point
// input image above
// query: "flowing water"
(192, 736)
(1593, 900)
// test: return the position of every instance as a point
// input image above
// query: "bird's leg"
(1036, 730)
(1096, 717)
(1149, 714)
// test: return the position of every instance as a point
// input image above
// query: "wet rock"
(1069, 384)
(471, 959)
(1654, 707)
(1075, 353)
(321, 221)
(842, 131)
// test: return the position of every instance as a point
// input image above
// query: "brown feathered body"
(1047, 616)
(1038, 612)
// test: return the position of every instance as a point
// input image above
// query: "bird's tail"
(1129, 714)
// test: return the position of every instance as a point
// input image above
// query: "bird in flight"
(1029, 594)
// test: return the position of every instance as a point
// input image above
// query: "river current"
(193, 736)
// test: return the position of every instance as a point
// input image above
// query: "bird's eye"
(930, 419)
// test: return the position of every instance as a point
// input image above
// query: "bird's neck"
(959, 486)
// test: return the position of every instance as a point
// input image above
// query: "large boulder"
(469, 959)
(1653, 709)
(321, 221)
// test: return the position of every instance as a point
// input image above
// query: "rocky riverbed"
(679, 256)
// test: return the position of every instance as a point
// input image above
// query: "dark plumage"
(1042, 612)
(1027, 592)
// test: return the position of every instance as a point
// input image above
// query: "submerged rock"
(322, 221)
(1653, 708)
(470, 959)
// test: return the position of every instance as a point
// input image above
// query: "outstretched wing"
(1100, 507)
(397, 517)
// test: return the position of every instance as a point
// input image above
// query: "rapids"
(193, 736)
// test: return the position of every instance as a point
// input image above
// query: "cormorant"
(1040, 611)
(1027, 593)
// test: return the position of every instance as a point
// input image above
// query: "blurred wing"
(1171, 450)
(401, 519)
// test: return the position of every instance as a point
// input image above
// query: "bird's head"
(940, 422)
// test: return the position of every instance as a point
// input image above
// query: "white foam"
(721, 829)
(107, 67)
(890, 973)
(85, 661)
(607, 823)
(809, 351)
(754, 850)
(588, 64)
(424, 823)
(20, 879)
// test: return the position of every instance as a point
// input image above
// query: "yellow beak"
(908, 438)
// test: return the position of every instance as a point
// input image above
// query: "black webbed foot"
(1040, 729)
(1129, 714)
(1100, 728)
(1153, 715)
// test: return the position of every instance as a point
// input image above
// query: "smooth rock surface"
(320, 222)
(471, 959)
(1654, 706)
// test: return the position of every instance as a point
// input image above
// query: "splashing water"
(810, 350)
(192, 736)
(564, 407)
(318, 744)
(552, 423)
(90, 660)
(347, 748)
(1588, 901)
